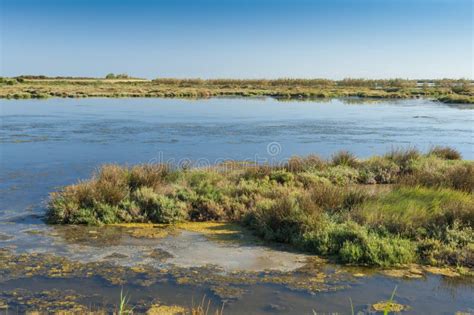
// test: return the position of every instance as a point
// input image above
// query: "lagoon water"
(46, 144)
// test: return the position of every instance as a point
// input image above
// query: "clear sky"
(238, 38)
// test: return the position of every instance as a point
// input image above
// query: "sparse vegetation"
(122, 85)
(331, 208)
(124, 307)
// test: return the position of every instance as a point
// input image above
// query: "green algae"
(226, 285)
(214, 231)
(409, 272)
(389, 306)
(222, 232)
(314, 276)
(157, 309)
(228, 293)
(46, 301)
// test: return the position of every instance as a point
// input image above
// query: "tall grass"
(417, 211)
(204, 308)
(344, 158)
(387, 308)
(124, 307)
(445, 153)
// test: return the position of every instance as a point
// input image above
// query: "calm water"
(49, 143)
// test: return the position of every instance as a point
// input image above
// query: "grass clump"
(403, 157)
(298, 164)
(159, 208)
(432, 171)
(438, 221)
(379, 170)
(417, 211)
(328, 208)
(344, 158)
(446, 153)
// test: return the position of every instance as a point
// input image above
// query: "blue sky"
(238, 38)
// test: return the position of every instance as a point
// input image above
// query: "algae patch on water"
(389, 306)
(410, 272)
(443, 271)
(215, 231)
(144, 230)
(157, 309)
(226, 285)
(46, 301)
(220, 231)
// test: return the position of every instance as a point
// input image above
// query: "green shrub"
(131, 212)
(280, 221)
(455, 248)
(340, 175)
(83, 216)
(64, 205)
(376, 250)
(107, 214)
(146, 199)
(378, 170)
(403, 157)
(251, 187)
(354, 244)
(206, 209)
(309, 179)
(282, 177)
(158, 208)
(168, 211)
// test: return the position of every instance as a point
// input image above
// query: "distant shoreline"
(38, 87)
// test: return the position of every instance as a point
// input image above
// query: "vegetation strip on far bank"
(447, 91)
(421, 211)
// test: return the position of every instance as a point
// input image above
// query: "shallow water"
(49, 143)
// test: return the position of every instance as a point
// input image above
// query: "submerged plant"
(124, 307)
(204, 308)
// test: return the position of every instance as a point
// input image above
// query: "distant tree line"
(117, 76)
(44, 77)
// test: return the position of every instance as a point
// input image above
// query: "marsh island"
(447, 91)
